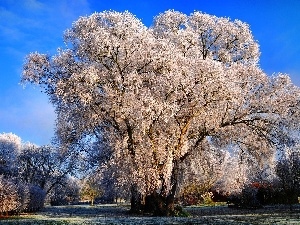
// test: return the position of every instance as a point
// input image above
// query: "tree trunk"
(136, 200)
(157, 204)
(170, 205)
(163, 204)
(174, 186)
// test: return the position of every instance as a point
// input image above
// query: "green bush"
(179, 212)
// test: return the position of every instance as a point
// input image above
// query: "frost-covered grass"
(113, 214)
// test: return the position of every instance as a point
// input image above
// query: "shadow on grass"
(85, 211)
(113, 214)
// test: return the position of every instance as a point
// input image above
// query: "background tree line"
(32, 175)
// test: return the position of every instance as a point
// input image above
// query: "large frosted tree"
(156, 94)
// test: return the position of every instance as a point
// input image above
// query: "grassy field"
(113, 214)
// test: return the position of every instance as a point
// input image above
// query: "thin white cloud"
(28, 114)
(33, 5)
(36, 16)
(35, 25)
(71, 10)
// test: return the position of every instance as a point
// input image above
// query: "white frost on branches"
(158, 93)
(9, 199)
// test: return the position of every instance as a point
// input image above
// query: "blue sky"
(38, 25)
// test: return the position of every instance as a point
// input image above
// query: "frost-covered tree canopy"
(28, 173)
(10, 146)
(158, 93)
